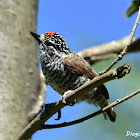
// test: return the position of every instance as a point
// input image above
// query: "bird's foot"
(59, 115)
(64, 98)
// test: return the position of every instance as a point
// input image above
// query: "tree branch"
(109, 50)
(117, 102)
(120, 56)
(51, 109)
(112, 49)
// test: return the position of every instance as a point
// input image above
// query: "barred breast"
(60, 78)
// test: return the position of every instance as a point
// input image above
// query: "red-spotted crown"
(48, 34)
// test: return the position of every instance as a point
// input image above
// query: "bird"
(65, 71)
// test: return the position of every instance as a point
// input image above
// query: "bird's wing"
(79, 66)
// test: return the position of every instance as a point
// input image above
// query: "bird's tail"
(111, 114)
(104, 97)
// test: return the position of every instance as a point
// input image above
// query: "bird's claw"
(63, 98)
(59, 115)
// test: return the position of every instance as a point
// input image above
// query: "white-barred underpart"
(65, 70)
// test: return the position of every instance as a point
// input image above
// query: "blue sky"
(83, 24)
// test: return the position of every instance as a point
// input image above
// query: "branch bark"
(122, 53)
(117, 102)
(51, 109)
(109, 50)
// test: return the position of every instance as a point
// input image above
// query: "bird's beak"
(36, 36)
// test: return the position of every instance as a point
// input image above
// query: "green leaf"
(133, 7)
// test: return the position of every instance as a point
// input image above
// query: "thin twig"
(109, 50)
(120, 56)
(51, 109)
(47, 126)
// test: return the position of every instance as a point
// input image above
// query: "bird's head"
(51, 41)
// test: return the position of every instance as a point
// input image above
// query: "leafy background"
(84, 24)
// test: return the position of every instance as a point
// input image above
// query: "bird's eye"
(48, 43)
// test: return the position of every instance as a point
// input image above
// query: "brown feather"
(78, 65)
